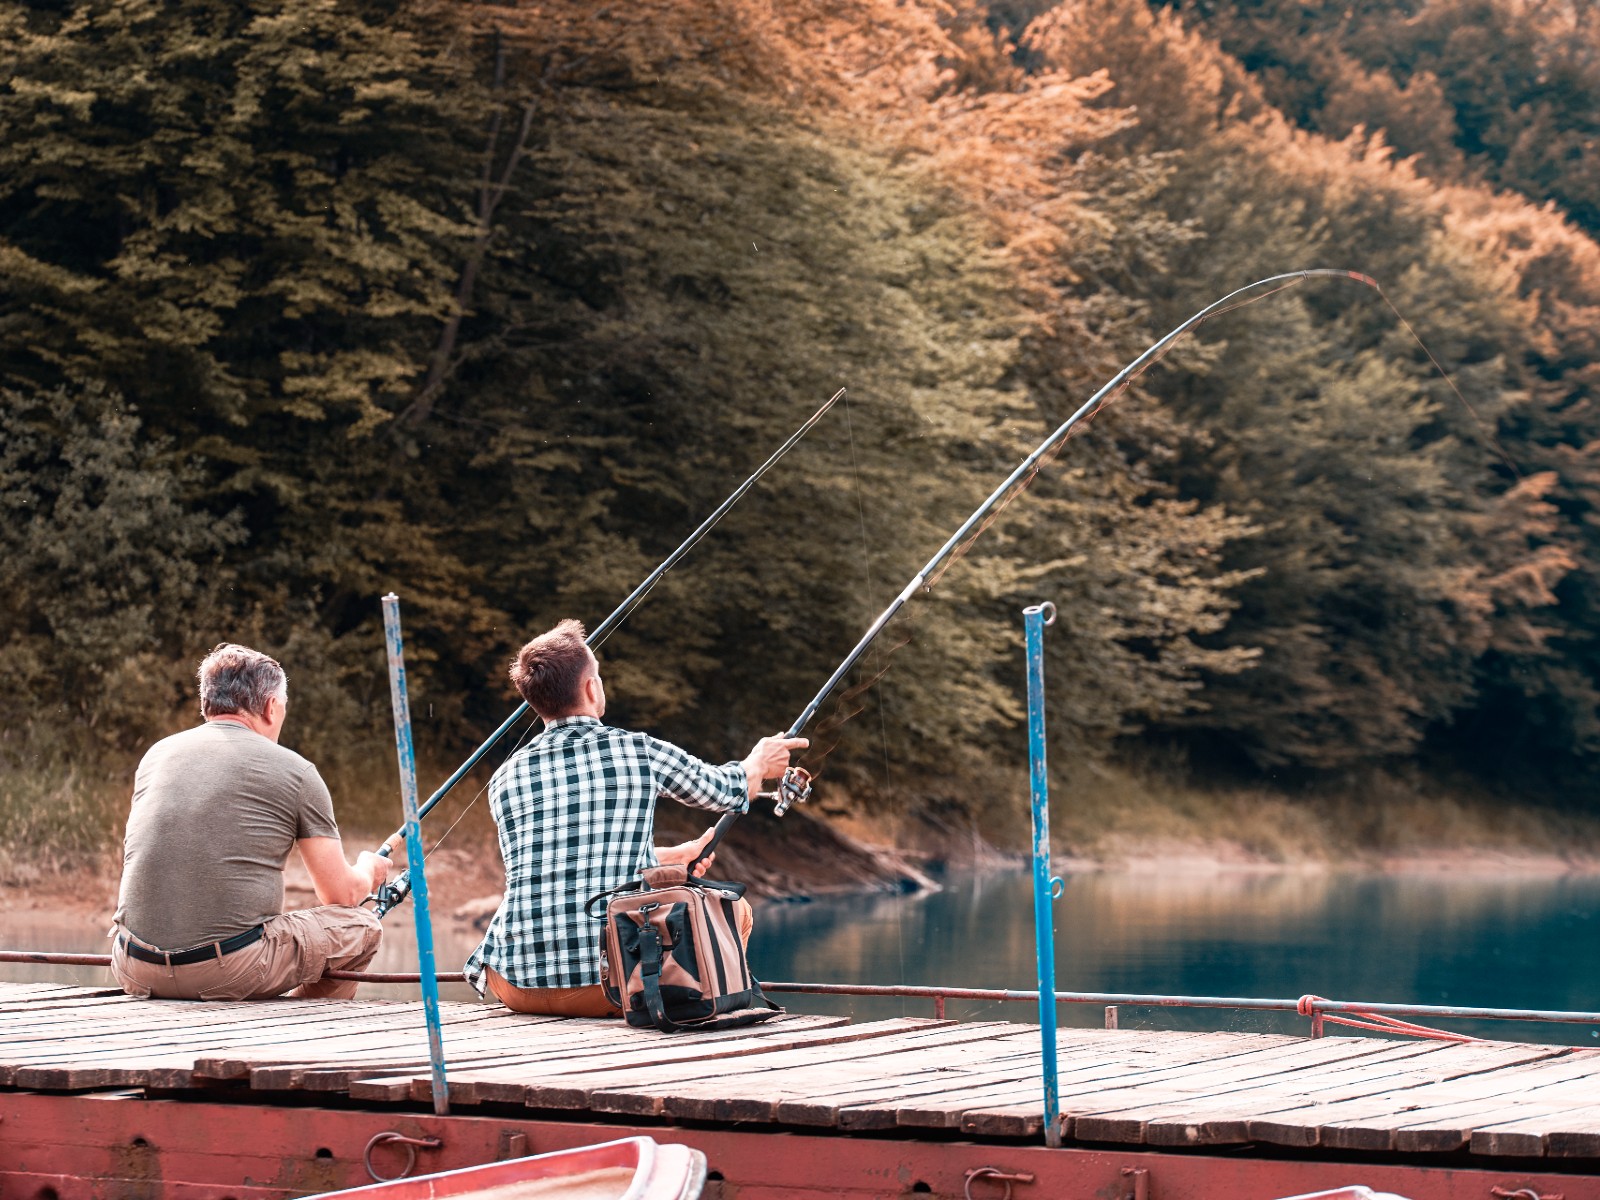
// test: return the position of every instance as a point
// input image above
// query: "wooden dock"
(980, 1078)
(1482, 1102)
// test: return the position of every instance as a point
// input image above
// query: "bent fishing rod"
(396, 890)
(795, 786)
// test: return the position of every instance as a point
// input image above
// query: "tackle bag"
(671, 957)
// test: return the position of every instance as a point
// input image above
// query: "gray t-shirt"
(216, 810)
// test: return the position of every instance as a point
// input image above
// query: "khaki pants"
(582, 1001)
(294, 951)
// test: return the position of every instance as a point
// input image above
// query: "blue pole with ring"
(406, 753)
(1045, 888)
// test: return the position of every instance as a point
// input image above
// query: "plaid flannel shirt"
(575, 810)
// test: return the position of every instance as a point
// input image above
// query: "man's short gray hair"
(236, 679)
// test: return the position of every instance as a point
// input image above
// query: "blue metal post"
(414, 859)
(1034, 619)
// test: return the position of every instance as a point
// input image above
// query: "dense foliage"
(307, 300)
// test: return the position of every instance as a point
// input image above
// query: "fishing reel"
(794, 788)
(392, 893)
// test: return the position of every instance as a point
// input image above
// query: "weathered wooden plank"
(45, 997)
(1431, 1109)
(182, 1024)
(614, 1043)
(757, 1087)
(1006, 1104)
(1300, 1122)
(868, 1096)
(939, 1101)
(1528, 1132)
(879, 1102)
(1010, 1115)
(127, 1072)
(506, 1077)
(1174, 1100)
(745, 1083)
(288, 1063)
(122, 1054)
(557, 1036)
(1226, 1116)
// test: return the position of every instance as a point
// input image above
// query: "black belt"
(182, 958)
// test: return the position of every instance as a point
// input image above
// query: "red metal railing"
(1360, 1014)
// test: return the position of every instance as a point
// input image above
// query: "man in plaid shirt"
(575, 810)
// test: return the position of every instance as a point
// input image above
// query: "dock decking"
(919, 1078)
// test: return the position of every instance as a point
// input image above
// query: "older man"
(575, 810)
(216, 810)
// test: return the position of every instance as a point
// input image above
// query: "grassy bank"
(64, 816)
(1116, 814)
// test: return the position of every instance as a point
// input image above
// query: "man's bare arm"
(335, 880)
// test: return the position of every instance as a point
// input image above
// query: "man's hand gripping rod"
(796, 784)
(396, 890)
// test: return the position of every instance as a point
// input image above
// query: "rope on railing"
(1311, 1006)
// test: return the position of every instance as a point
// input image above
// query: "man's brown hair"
(549, 670)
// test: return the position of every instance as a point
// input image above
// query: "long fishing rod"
(795, 787)
(396, 890)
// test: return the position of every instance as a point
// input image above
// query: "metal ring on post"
(1046, 607)
(410, 1143)
(996, 1174)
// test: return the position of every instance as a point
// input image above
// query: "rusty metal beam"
(100, 1147)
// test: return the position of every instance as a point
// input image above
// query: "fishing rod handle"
(724, 823)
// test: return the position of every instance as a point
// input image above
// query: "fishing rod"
(795, 786)
(396, 890)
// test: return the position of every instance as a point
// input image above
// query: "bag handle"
(650, 978)
(633, 885)
(645, 885)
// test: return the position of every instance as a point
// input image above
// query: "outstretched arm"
(335, 880)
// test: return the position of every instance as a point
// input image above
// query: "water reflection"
(1524, 942)
(1502, 942)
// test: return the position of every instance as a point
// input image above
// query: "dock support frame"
(405, 751)
(1045, 887)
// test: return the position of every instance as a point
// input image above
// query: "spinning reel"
(794, 788)
(391, 893)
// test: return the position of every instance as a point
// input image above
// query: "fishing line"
(883, 720)
(797, 780)
(1483, 429)
(866, 564)
(478, 795)
(396, 890)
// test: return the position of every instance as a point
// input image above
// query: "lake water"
(1516, 941)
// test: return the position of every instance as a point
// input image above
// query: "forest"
(491, 303)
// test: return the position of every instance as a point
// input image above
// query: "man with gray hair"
(216, 810)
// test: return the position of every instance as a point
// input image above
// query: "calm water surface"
(1435, 938)
(1520, 941)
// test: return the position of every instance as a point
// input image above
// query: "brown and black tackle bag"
(671, 958)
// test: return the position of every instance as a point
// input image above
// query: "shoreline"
(466, 887)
